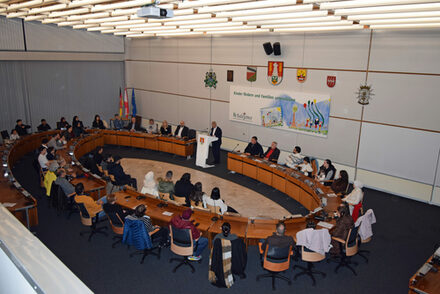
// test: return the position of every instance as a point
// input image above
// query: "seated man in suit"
(121, 178)
(181, 130)
(272, 152)
(254, 148)
(117, 122)
(44, 126)
(21, 128)
(133, 126)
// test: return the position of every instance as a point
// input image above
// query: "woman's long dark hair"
(197, 193)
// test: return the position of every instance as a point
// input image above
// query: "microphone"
(235, 147)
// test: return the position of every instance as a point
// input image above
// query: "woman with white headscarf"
(150, 185)
(356, 196)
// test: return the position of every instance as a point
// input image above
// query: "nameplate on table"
(167, 213)
(296, 216)
(332, 195)
(272, 165)
(325, 225)
(243, 155)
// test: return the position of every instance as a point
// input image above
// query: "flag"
(120, 102)
(133, 103)
(127, 110)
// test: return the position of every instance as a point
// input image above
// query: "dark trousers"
(216, 151)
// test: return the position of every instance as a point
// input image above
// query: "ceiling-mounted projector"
(154, 12)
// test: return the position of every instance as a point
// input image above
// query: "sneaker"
(194, 258)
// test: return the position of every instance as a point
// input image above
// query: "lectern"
(203, 142)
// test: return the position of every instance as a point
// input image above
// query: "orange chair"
(117, 225)
(276, 260)
(182, 244)
(90, 222)
(310, 257)
(349, 249)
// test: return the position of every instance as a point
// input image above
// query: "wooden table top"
(430, 283)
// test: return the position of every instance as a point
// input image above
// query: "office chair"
(349, 249)
(136, 234)
(276, 260)
(54, 195)
(191, 134)
(310, 257)
(114, 184)
(117, 225)
(66, 203)
(182, 244)
(90, 222)
(5, 135)
(214, 209)
(180, 200)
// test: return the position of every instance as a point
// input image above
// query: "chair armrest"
(339, 240)
(152, 232)
(260, 247)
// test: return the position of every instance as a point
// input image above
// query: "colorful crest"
(331, 81)
(251, 74)
(202, 140)
(301, 75)
(275, 72)
(210, 79)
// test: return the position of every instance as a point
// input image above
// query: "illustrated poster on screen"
(280, 109)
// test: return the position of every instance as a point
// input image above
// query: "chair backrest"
(5, 134)
(191, 134)
(214, 209)
(277, 259)
(84, 215)
(199, 205)
(116, 223)
(351, 244)
(181, 241)
(310, 256)
(54, 193)
(136, 234)
(164, 196)
(180, 200)
(62, 198)
(315, 165)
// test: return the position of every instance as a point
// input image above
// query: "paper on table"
(9, 204)
(331, 195)
(167, 213)
(243, 155)
(325, 225)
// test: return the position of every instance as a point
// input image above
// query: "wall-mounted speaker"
(268, 48)
(276, 48)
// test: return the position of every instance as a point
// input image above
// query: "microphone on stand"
(235, 147)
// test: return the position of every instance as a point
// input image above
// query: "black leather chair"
(191, 134)
(349, 248)
(276, 260)
(5, 134)
(54, 195)
(182, 245)
(90, 222)
(117, 225)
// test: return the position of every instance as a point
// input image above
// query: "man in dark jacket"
(272, 152)
(44, 126)
(254, 148)
(121, 178)
(181, 130)
(216, 132)
(21, 128)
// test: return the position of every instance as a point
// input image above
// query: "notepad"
(325, 225)
(9, 204)
(167, 213)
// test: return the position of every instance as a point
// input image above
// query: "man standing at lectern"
(216, 132)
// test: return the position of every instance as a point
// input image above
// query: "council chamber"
(222, 145)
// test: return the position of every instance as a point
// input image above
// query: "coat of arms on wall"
(364, 94)
(331, 81)
(210, 79)
(275, 71)
(301, 75)
(251, 74)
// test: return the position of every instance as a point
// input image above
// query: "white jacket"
(365, 222)
(315, 240)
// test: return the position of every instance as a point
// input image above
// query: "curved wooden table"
(249, 229)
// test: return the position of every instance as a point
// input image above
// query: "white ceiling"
(207, 17)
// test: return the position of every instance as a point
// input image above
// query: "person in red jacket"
(183, 222)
